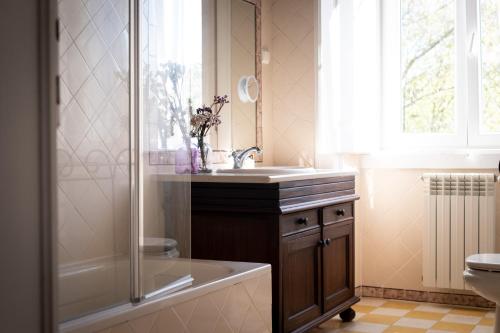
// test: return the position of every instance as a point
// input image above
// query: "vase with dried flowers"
(202, 121)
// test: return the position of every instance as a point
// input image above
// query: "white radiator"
(459, 221)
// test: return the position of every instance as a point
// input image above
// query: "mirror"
(244, 85)
(190, 61)
(238, 73)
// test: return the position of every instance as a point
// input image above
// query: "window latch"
(472, 44)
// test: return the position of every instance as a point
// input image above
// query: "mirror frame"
(258, 74)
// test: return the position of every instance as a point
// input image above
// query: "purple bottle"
(186, 161)
(195, 163)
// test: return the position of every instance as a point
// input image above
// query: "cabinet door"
(338, 264)
(301, 280)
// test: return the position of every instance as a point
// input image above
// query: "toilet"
(162, 247)
(483, 276)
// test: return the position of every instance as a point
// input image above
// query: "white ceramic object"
(483, 276)
(248, 89)
(266, 56)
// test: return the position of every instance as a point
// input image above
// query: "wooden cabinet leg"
(347, 315)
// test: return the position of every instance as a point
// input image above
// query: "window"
(427, 66)
(449, 73)
(489, 13)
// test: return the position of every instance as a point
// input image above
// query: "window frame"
(467, 84)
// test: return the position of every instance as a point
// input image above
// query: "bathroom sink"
(267, 171)
(266, 175)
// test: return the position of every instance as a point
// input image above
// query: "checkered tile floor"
(375, 315)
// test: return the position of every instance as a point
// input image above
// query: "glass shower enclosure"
(129, 73)
(171, 86)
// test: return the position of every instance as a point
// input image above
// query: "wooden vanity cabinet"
(304, 229)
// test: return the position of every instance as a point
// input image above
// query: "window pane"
(490, 65)
(427, 66)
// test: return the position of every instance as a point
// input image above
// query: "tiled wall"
(391, 216)
(293, 81)
(267, 82)
(92, 140)
(242, 307)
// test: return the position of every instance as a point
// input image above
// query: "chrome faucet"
(239, 156)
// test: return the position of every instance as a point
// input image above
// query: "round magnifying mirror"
(248, 89)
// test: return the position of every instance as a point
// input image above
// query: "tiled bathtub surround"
(238, 302)
(377, 315)
(240, 308)
(92, 140)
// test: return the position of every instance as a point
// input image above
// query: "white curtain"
(349, 84)
(172, 38)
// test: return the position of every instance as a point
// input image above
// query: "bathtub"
(219, 296)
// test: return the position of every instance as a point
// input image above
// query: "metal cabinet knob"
(340, 212)
(325, 242)
(303, 220)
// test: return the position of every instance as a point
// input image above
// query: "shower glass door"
(171, 87)
(93, 156)
(124, 171)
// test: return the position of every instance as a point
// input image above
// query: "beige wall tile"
(267, 82)
(222, 326)
(293, 83)
(242, 307)
(167, 319)
(204, 318)
(236, 307)
(143, 324)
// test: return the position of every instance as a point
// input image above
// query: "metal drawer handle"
(302, 220)
(324, 243)
(340, 212)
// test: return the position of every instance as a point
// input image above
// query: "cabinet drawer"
(337, 213)
(297, 222)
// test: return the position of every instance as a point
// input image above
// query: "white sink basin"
(267, 171)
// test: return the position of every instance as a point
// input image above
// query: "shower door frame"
(135, 139)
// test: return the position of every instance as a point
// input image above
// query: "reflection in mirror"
(238, 68)
(174, 70)
(243, 110)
